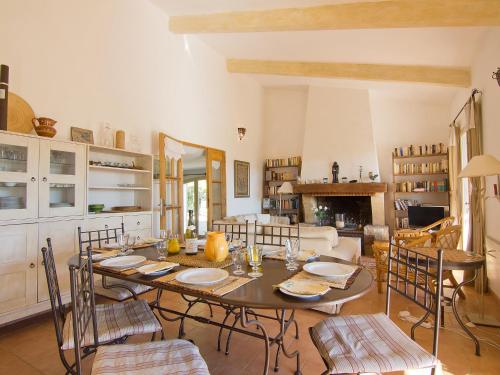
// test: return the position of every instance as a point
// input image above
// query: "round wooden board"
(19, 115)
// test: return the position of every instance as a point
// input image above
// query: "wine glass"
(291, 253)
(254, 254)
(238, 260)
(123, 241)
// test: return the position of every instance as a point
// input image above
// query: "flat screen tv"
(421, 216)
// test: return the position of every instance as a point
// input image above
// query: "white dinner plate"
(146, 269)
(329, 269)
(202, 276)
(302, 296)
(123, 262)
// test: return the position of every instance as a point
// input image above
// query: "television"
(421, 216)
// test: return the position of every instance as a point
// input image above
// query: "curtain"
(454, 168)
(473, 126)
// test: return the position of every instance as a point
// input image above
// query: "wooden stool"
(380, 251)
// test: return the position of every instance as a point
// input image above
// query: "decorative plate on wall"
(19, 115)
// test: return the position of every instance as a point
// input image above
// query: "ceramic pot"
(44, 126)
(216, 249)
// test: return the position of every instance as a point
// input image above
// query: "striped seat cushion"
(367, 343)
(115, 320)
(179, 357)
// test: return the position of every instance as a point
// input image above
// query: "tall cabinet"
(45, 186)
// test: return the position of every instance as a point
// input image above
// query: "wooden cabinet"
(137, 222)
(64, 236)
(18, 177)
(98, 223)
(18, 266)
(62, 179)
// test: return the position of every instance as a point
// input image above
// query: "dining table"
(245, 307)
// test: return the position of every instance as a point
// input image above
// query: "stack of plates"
(11, 203)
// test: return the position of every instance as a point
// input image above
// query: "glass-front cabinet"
(40, 178)
(18, 177)
(62, 179)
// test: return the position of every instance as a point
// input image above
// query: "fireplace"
(357, 209)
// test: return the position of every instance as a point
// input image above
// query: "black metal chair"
(113, 289)
(179, 356)
(373, 342)
(117, 320)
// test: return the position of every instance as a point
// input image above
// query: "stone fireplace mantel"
(367, 189)
(374, 190)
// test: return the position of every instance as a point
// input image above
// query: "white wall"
(487, 59)
(401, 122)
(284, 115)
(338, 128)
(85, 62)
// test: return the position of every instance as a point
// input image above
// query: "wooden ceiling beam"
(361, 15)
(449, 76)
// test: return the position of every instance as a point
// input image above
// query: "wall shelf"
(419, 156)
(118, 188)
(116, 169)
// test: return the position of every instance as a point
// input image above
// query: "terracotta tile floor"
(30, 347)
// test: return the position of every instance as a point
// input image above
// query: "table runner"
(217, 290)
(199, 260)
(340, 283)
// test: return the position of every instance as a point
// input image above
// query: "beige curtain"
(473, 126)
(454, 168)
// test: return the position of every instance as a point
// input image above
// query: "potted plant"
(320, 213)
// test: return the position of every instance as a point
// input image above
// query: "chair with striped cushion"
(178, 357)
(373, 342)
(115, 322)
(111, 288)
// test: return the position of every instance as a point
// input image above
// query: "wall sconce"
(241, 133)
(496, 75)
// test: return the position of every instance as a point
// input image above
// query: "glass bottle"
(190, 236)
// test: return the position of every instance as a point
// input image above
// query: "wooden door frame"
(209, 184)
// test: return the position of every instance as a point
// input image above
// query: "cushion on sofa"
(326, 232)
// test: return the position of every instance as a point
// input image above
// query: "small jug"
(44, 126)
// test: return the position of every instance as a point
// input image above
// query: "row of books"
(286, 204)
(415, 168)
(403, 204)
(402, 223)
(293, 161)
(420, 150)
(280, 176)
(271, 190)
(422, 186)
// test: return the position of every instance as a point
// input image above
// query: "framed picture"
(241, 179)
(82, 135)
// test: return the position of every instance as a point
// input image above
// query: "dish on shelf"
(126, 208)
(60, 204)
(129, 185)
(10, 184)
(97, 208)
(110, 164)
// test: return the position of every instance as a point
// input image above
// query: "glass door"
(216, 185)
(18, 177)
(62, 179)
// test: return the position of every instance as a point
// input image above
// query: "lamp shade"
(286, 188)
(481, 165)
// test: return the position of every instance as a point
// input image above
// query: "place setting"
(132, 264)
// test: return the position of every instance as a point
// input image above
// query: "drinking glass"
(291, 253)
(238, 260)
(123, 242)
(254, 255)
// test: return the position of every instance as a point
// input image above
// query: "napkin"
(305, 287)
(159, 266)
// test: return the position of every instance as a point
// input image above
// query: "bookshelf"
(276, 172)
(420, 177)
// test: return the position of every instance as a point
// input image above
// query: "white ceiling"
(418, 46)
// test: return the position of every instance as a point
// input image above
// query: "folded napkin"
(337, 282)
(304, 255)
(155, 267)
(106, 255)
(304, 287)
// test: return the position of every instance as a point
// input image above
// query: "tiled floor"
(30, 347)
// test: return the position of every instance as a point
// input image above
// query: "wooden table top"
(259, 293)
(454, 259)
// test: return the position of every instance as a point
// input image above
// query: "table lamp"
(481, 166)
(285, 188)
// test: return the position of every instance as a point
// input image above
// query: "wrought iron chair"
(373, 342)
(111, 288)
(117, 321)
(166, 357)
(270, 236)
(238, 231)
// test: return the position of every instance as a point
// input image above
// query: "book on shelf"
(403, 204)
(280, 176)
(402, 223)
(293, 161)
(420, 150)
(422, 186)
(421, 168)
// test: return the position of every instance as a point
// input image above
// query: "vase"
(216, 249)
(44, 126)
